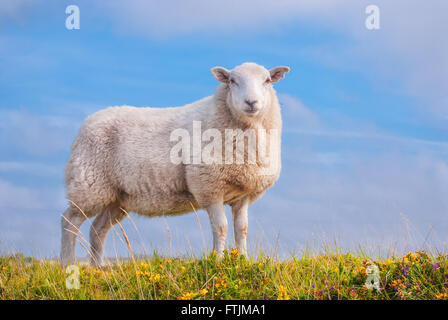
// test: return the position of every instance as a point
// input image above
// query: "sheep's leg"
(71, 221)
(240, 223)
(99, 229)
(218, 223)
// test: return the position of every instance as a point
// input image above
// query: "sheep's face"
(250, 86)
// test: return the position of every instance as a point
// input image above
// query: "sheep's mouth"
(251, 111)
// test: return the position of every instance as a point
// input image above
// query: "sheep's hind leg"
(71, 221)
(218, 223)
(111, 215)
(240, 223)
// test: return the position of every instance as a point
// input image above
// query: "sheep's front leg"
(218, 223)
(240, 223)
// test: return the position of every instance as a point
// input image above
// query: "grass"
(327, 276)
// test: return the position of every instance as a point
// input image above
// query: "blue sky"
(365, 113)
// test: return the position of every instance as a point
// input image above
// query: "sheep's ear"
(278, 73)
(220, 74)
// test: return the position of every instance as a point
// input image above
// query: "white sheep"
(122, 161)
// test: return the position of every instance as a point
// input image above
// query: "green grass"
(326, 276)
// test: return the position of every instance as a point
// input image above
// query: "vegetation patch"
(318, 277)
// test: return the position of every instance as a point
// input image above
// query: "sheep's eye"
(232, 81)
(268, 80)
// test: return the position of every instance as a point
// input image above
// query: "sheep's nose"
(251, 104)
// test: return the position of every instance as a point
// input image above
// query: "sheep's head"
(250, 86)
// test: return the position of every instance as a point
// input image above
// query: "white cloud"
(36, 134)
(156, 18)
(411, 47)
(393, 197)
(302, 121)
(15, 197)
(411, 44)
(357, 185)
(296, 113)
(16, 9)
(31, 168)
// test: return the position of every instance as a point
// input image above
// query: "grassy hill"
(329, 276)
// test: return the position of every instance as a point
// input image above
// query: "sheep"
(122, 160)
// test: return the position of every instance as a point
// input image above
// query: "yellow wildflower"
(283, 295)
(388, 262)
(151, 277)
(156, 277)
(442, 296)
(220, 282)
(412, 256)
(187, 296)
